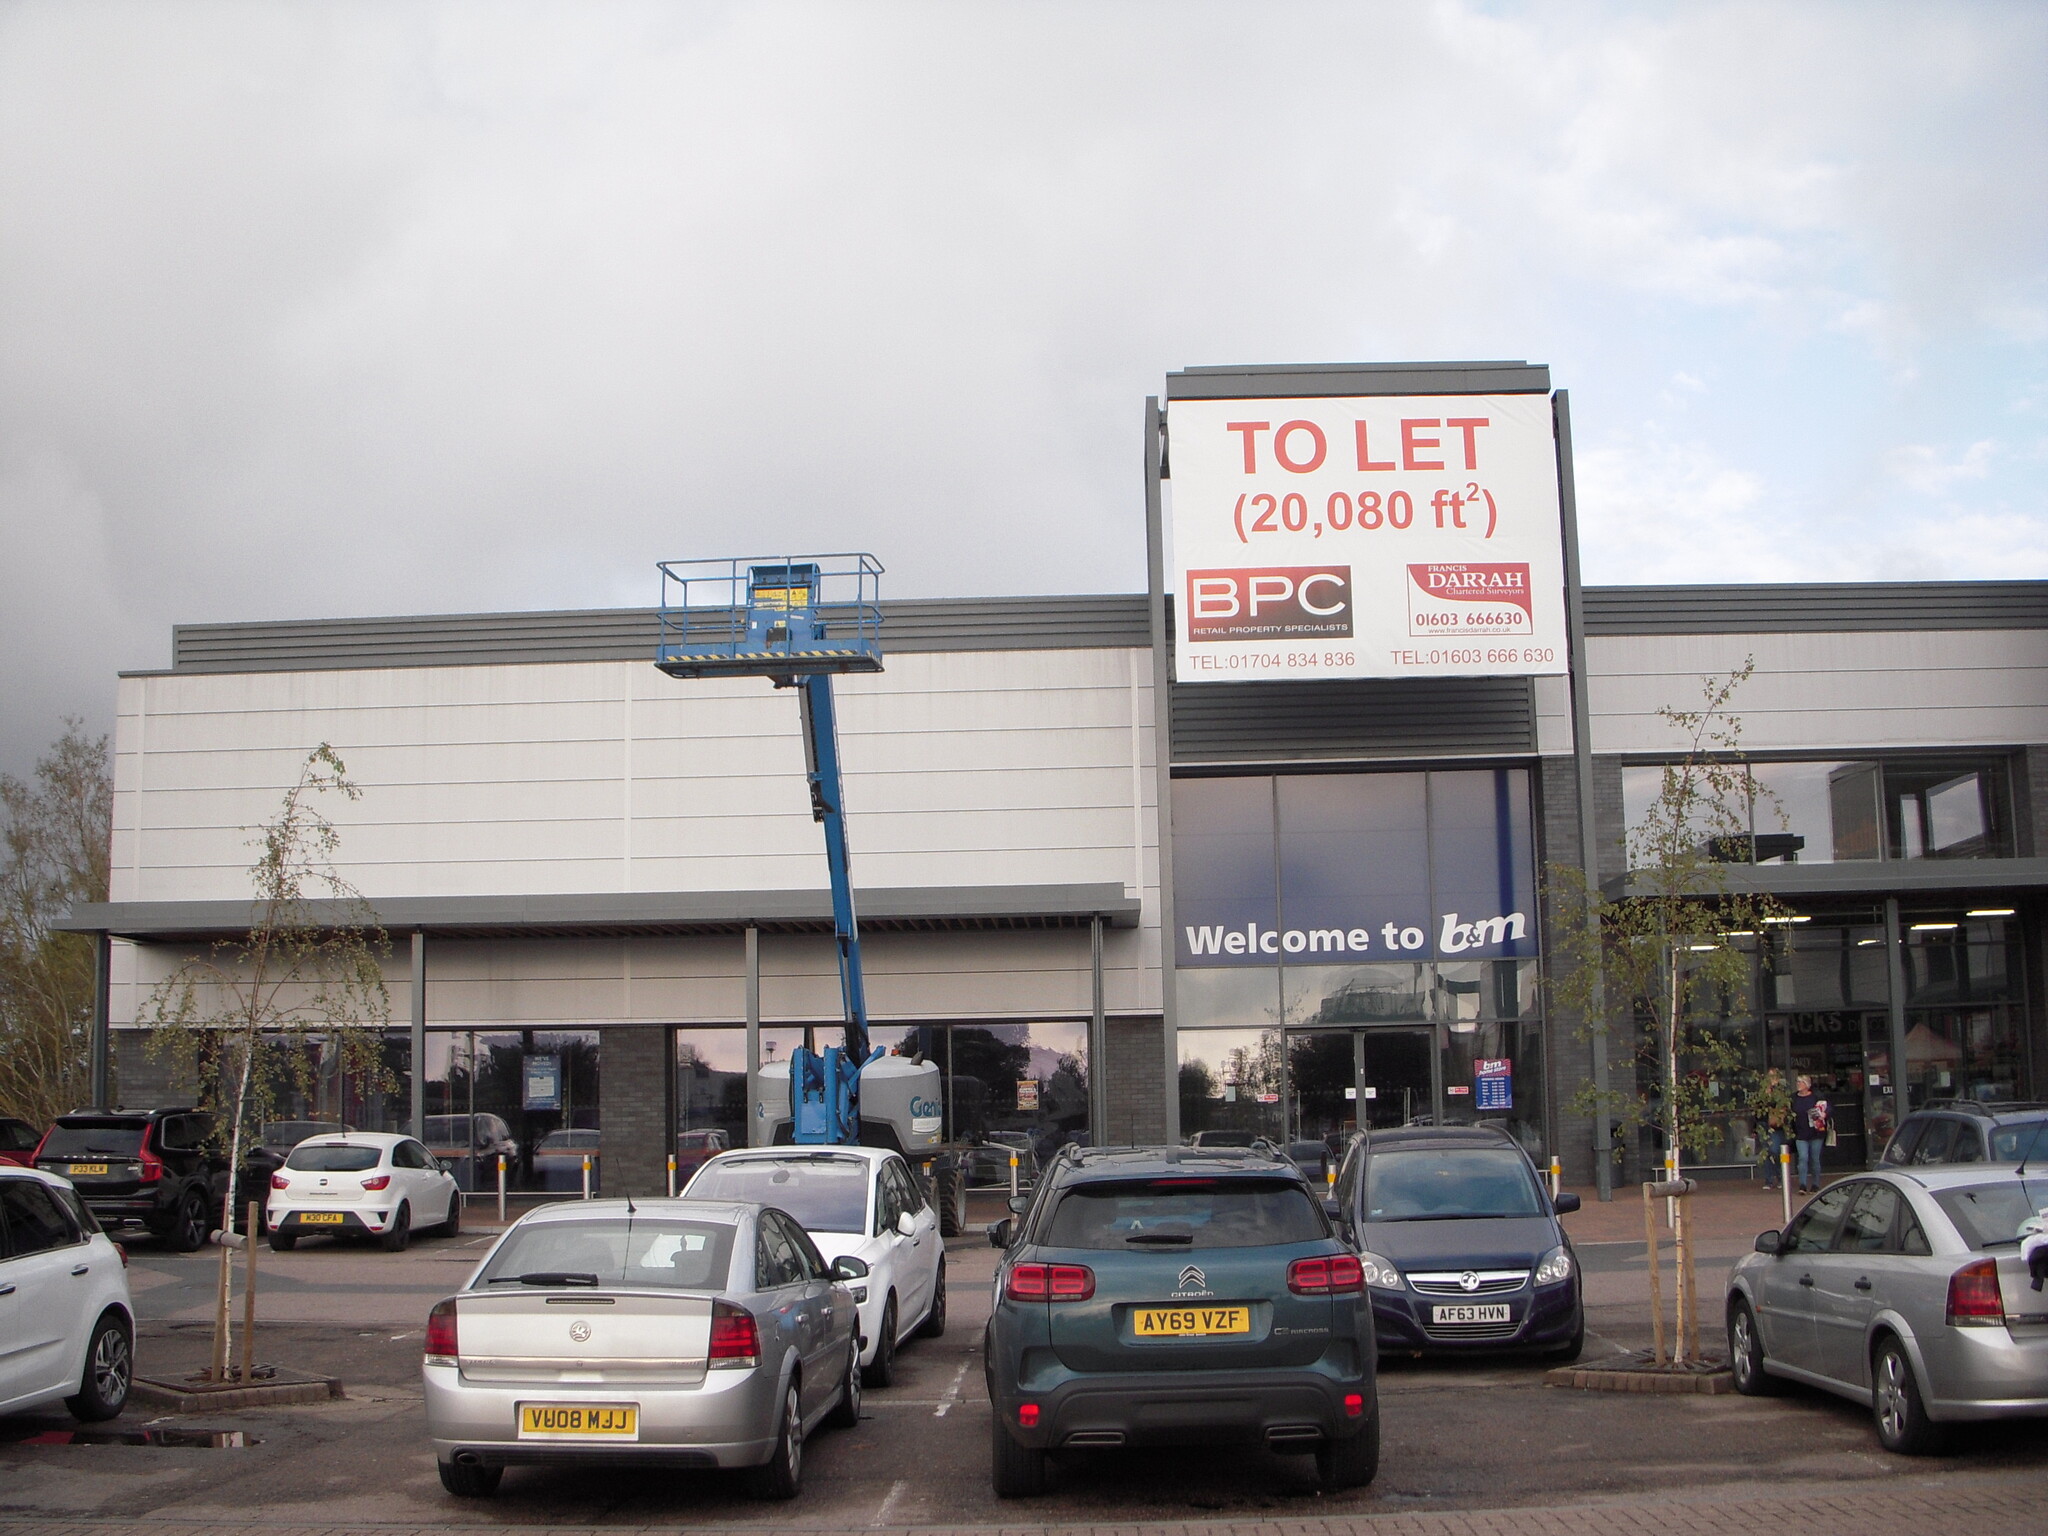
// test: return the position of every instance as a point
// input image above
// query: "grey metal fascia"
(1816, 607)
(1305, 380)
(1869, 878)
(671, 912)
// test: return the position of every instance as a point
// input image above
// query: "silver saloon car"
(1903, 1290)
(686, 1333)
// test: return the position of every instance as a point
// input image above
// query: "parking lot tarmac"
(1461, 1436)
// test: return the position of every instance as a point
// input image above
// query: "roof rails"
(1988, 1110)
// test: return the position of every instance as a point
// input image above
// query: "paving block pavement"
(1938, 1507)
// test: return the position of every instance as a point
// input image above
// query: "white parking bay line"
(953, 1392)
(896, 1491)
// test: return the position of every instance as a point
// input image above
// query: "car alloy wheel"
(189, 1234)
(882, 1369)
(783, 1474)
(109, 1368)
(846, 1413)
(1902, 1422)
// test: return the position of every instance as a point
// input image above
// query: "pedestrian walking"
(1772, 1106)
(1809, 1132)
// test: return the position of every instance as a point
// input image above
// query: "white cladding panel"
(975, 768)
(1829, 692)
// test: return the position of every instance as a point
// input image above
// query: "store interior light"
(1740, 933)
(1989, 912)
(1698, 948)
(1799, 919)
(1934, 927)
(1866, 943)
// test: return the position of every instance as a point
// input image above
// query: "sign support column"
(1162, 749)
(1582, 765)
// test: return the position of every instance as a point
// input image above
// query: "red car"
(18, 1141)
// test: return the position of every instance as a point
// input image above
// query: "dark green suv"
(1178, 1295)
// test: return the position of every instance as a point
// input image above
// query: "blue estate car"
(1177, 1295)
(1460, 1243)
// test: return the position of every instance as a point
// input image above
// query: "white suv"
(67, 1325)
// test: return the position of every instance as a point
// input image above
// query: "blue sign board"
(542, 1081)
(1495, 1084)
(1343, 869)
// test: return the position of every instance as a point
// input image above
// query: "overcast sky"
(332, 309)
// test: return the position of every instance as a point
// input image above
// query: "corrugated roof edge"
(1103, 620)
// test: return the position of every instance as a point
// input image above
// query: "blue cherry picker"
(799, 621)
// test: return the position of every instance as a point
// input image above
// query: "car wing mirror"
(1019, 1204)
(848, 1267)
(906, 1223)
(1564, 1204)
(1332, 1209)
(1771, 1242)
(999, 1234)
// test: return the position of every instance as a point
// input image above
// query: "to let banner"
(1366, 536)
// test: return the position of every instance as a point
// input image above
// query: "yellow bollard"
(1556, 1176)
(586, 1175)
(501, 1189)
(1785, 1180)
(671, 1175)
(1013, 1175)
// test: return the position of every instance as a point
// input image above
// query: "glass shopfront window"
(1231, 1081)
(1831, 811)
(515, 1094)
(1006, 1087)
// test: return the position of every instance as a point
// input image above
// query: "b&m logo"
(1279, 602)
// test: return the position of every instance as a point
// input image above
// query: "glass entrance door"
(1375, 1078)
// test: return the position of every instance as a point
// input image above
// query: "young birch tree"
(1677, 947)
(262, 1013)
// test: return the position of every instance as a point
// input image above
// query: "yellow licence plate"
(78, 1168)
(321, 1218)
(1189, 1322)
(579, 1420)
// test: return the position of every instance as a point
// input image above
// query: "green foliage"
(1676, 949)
(55, 831)
(259, 1014)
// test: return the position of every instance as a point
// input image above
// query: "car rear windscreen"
(824, 1193)
(665, 1255)
(1989, 1215)
(329, 1158)
(2020, 1141)
(1182, 1214)
(1449, 1184)
(93, 1141)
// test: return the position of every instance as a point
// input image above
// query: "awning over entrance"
(922, 909)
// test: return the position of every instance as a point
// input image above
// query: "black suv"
(1965, 1131)
(1178, 1296)
(146, 1167)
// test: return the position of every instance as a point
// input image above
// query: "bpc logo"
(1282, 602)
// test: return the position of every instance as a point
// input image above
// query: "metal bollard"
(1013, 1175)
(501, 1189)
(1785, 1181)
(586, 1175)
(1556, 1175)
(671, 1175)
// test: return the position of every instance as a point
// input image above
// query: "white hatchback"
(361, 1184)
(859, 1202)
(67, 1325)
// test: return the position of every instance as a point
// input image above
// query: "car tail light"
(735, 1341)
(279, 1181)
(1338, 1275)
(1027, 1415)
(441, 1331)
(1354, 1405)
(380, 1181)
(152, 1166)
(1050, 1282)
(124, 1254)
(1973, 1294)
